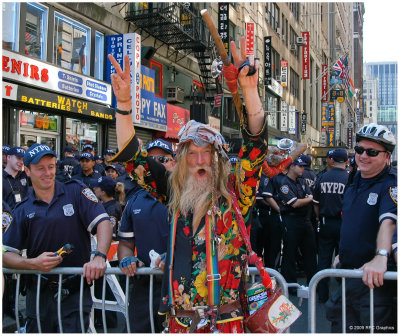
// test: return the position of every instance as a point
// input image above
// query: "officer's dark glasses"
(370, 151)
(161, 158)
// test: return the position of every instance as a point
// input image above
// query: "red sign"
(177, 117)
(218, 100)
(249, 39)
(324, 83)
(306, 55)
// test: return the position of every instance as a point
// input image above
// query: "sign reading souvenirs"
(284, 70)
(267, 60)
(40, 74)
(324, 83)
(306, 55)
(223, 23)
(46, 99)
(119, 46)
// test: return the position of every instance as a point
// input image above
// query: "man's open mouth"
(201, 172)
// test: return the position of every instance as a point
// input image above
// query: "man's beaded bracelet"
(98, 253)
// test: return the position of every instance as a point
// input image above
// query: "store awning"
(177, 117)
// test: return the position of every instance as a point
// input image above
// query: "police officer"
(69, 162)
(162, 152)
(88, 148)
(15, 180)
(328, 201)
(5, 149)
(295, 205)
(52, 215)
(61, 174)
(87, 172)
(144, 226)
(308, 174)
(369, 217)
(329, 163)
(260, 220)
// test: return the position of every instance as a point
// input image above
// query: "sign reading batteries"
(147, 110)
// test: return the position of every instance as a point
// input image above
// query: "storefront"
(47, 104)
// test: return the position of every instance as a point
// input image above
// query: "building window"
(158, 68)
(99, 56)
(71, 44)
(272, 15)
(294, 83)
(36, 30)
(10, 25)
(275, 63)
(295, 9)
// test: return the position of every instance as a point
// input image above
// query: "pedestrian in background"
(87, 172)
(328, 202)
(369, 218)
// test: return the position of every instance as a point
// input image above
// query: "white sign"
(284, 116)
(214, 123)
(276, 87)
(34, 72)
(292, 119)
(133, 42)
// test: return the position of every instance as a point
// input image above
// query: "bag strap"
(213, 275)
(252, 257)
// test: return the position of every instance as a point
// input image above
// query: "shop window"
(99, 57)
(36, 30)
(158, 68)
(10, 25)
(79, 133)
(38, 121)
(71, 44)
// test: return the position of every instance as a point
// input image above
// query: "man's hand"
(46, 261)
(246, 82)
(121, 83)
(300, 148)
(94, 269)
(336, 261)
(374, 271)
(128, 265)
(160, 263)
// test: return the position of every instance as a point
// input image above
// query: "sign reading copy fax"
(119, 46)
(40, 74)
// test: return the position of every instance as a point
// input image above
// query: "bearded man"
(204, 282)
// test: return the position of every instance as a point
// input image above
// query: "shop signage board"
(250, 35)
(177, 117)
(44, 99)
(284, 72)
(292, 119)
(119, 46)
(306, 55)
(337, 95)
(223, 23)
(267, 60)
(324, 83)
(303, 123)
(284, 116)
(153, 112)
(34, 72)
(328, 114)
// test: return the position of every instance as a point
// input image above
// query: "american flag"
(342, 69)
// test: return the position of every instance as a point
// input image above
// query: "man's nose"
(200, 158)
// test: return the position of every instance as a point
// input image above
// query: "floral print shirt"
(190, 270)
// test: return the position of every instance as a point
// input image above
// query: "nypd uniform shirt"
(70, 217)
(265, 189)
(114, 210)
(310, 177)
(86, 179)
(329, 192)
(14, 188)
(68, 164)
(6, 215)
(145, 222)
(289, 192)
(276, 184)
(366, 204)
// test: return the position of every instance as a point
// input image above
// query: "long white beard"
(196, 191)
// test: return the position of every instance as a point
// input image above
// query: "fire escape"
(181, 29)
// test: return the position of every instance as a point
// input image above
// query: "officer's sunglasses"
(162, 158)
(370, 151)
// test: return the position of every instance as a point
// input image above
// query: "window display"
(79, 133)
(36, 31)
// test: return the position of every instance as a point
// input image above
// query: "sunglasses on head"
(162, 158)
(370, 151)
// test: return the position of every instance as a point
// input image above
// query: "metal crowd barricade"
(122, 299)
(339, 273)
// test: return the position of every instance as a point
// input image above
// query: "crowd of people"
(188, 206)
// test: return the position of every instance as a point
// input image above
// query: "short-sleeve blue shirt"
(289, 192)
(70, 217)
(366, 204)
(265, 189)
(145, 222)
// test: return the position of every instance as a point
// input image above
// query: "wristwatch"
(123, 112)
(382, 252)
(98, 253)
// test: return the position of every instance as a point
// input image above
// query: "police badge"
(285, 189)
(372, 198)
(90, 195)
(7, 219)
(68, 210)
(393, 193)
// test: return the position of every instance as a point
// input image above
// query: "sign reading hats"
(36, 152)
(162, 144)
